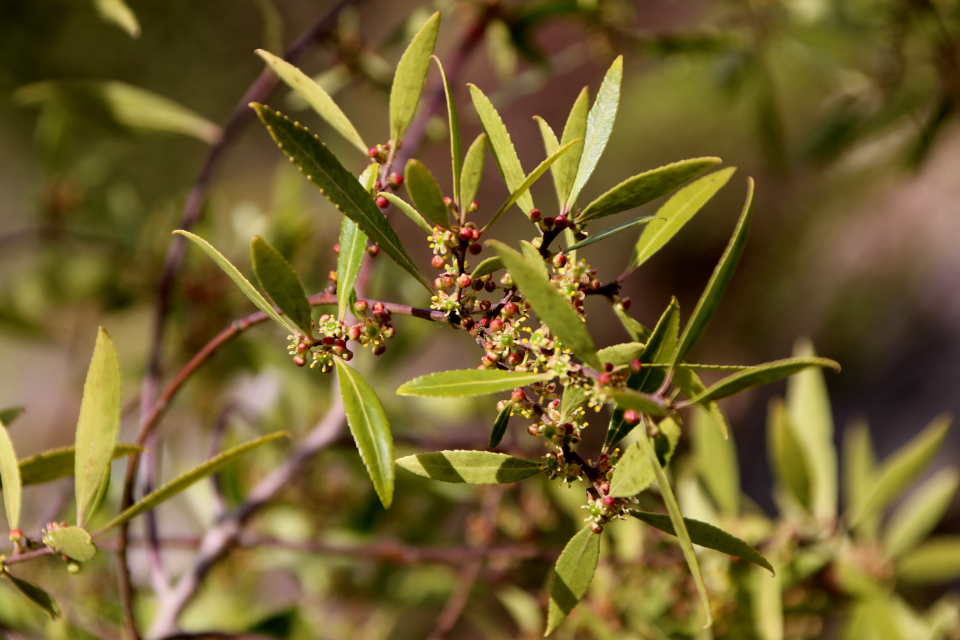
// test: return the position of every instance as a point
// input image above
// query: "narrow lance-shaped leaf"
(339, 186)
(633, 473)
(248, 289)
(8, 415)
(371, 430)
(187, 479)
(471, 467)
(353, 247)
(610, 231)
(640, 402)
(36, 595)
(717, 285)
(489, 265)
(716, 459)
(859, 471)
(316, 97)
(529, 180)
(12, 484)
(426, 194)
(788, 458)
(913, 521)
(118, 13)
(500, 425)
(680, 529)
(599, 127)
(572, 576)
(99, 422)
(462, 383)
(902, 468)
(456, 151)
(691, 386)
(760, 375)
(706, 535)
(472, 171)
(646, 187)
(281, 283)
(551, 305)
(636, 330)
(677, 212)
(565, 173)
(59, 463)
(502, 147)
(410, 75)
(73, 542)
(809, 407)
(621, 354)
(766, 604)
(550, 145)
(407, 210)
(573, 397)
(934, 562)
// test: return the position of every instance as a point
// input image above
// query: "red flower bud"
(631, 417)
(437, 262)
(625, 303)
(510, 309)
(534, 215)
(373, 250)
(466, 234)
(475, 248)
(604, 379)
(382, 202)
(518, 395)
(464, 280)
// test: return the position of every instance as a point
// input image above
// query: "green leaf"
(316, 97)
(917, 517)
(59, 463)
(504, 153)
(370, 428)
(691, 386)
(599, 127)
(339, 186)
(524, 187)
(766, 605)
(73, 542)
(640, 402)
(677, 211)
(119, 107)
(636, 330)
(707, 535)
(901, 469)
(410, 75)
(859, 466)
(532, 255)
(565, 173)
(119, 14)
(633, 472)
(471, 467)
(36, 595)
(353, 247)
(646, 187)
(716, 459)
(187, 479)
(489, 265)
(717, 285)
(550, 145)
(809, 408)
(472, 171)
(759, 375)
(8, 415)
(573, 397)
(426, 194)
(572, 576)
(551, 305)
(462, 383)
(610, 231)
(500, 425)
(99, 422)
(248, 289)
(933, 562)
(621, 354)
(409, 211)
(10, 475)
(281, 283)
(788, 458)
(456, 150)
(680, 529)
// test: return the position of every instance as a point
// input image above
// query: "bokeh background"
(844, 112)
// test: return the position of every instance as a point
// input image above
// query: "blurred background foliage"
(843, 110)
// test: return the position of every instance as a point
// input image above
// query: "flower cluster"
(372, 330)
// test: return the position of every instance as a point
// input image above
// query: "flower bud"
(635, 365)
(437, 262)
(625, 303)
(466, 234)
(382, 202)
(510, 309)
(604, 379)
(534, 215)
(496, 324)
(631, 417)
(561, 221)
(373, 250)
(475, 248)
(395, 180)
(474, 206)
(464, 280)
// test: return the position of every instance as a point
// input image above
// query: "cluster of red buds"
(372, 330)
(604, 508)
(556, 466)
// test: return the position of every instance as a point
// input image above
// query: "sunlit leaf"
(316, 97)
(500, 425)
(859, 471)
(248, 289)
(691, 386)
(187, 479)
(610, 231)
(370, 428)
(410, 75)
(759, 375)
(766, 605)
(636, 330)
(472, 171)
(707, 535)
(36, 595)
(426, 194)
(633, 472)
(463, 383)
(502, 147)
(281, 283)
(716, 459)
(59, 463)
(722, 275)
(118, 13)
(572, 576)
(935, 561)
(10, 475)
(677, 212)
(8, 415)
(353, 247)
(456, 151)
(408, 211)
(917, 517)
(73, 542)
(788, 458)
(471, 467)
(489, 265)
(599, 127)
(339, 186)
(551, 305)
(573, 397)
(98, 424)
(550, 146)
(621, 354)
(646, 187)
(640, 402)
(565, 172)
